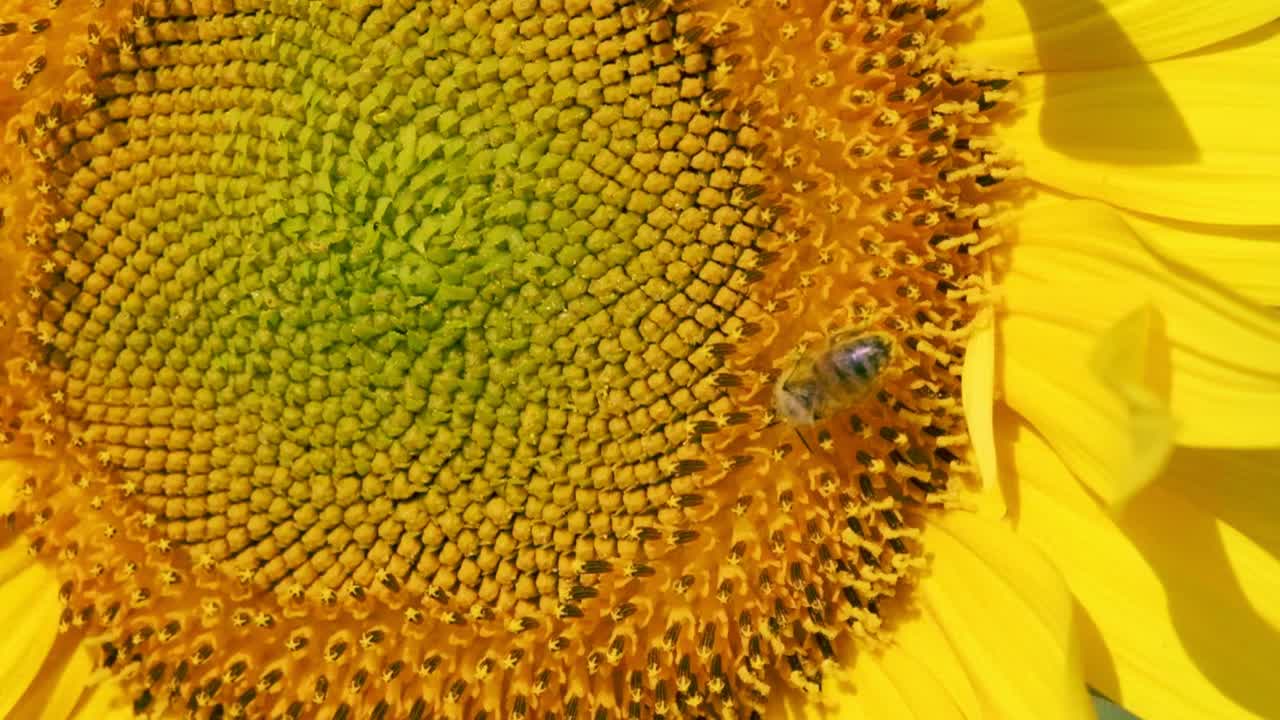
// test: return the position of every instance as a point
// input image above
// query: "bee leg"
(782, 382)
(802, 440)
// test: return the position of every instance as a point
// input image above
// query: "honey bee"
(822, 383)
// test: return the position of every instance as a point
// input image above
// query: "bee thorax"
(834, 379)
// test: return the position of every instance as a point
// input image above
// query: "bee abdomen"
(822, 385)
(849, 369)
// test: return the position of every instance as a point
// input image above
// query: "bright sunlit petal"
(1212, 357)
(1171, 632)
(1203, 151)
(1065, 35)
(1009, 617)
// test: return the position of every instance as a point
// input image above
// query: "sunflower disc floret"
(418, 359)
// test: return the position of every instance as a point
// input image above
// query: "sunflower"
(607, 359)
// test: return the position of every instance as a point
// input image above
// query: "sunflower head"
(422, 358)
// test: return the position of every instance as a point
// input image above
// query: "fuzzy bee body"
(823, 383)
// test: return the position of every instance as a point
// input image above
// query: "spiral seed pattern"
(417, 358)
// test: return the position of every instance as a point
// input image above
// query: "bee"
(836, 377)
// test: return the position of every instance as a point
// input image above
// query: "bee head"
(797, 403)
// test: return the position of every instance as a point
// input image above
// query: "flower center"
(424, 358)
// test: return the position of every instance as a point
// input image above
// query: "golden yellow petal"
(1190, 138)
(1089, 424)
(979, 399)
(917, 676)
(105, 702)
(1178, 621)
(1051, 35)
(59, 685)
(1077, 271)
(29, 612)
(1242, 258)
(1009, 616)
(10, 482)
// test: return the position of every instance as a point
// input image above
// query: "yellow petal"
(13, 560)
(1108, 424)
(1078, 269)
(1190, 138)
(1030, 35)
(916, 676)
(1008, 615)
(29, 612)
(1228, 484)
(978, 391)
(1239, 490)
(1129, 360)
(10, 482)
(1089, 427)
(59, 684)
(106, 701)
(1238, 258)
(1244, 259)
(1180, 613)
(893, 687)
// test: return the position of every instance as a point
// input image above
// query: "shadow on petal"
(1199, 533)
(1097, 656)
(1160, 138)
(1235, 486)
